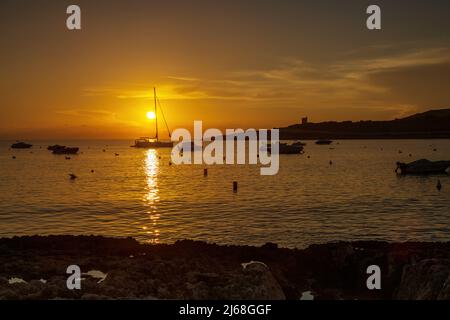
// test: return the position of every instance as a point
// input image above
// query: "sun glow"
(151, 115)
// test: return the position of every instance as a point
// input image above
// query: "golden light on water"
(151, 197)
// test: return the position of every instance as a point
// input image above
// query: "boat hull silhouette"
(422, 166)
(285, 148)
(21, 145)
(65, 150)
(54, 147)
(149, 144)
(324, 142)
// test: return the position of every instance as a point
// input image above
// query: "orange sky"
(229, 63)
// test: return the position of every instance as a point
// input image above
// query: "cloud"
(95, 116)
(182, 78)
(404, 79)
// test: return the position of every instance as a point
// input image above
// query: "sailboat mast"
(156, 113)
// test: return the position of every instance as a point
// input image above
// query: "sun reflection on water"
(151, 197)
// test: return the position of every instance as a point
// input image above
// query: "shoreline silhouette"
(432, 124)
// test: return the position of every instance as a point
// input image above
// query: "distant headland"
(433, 124)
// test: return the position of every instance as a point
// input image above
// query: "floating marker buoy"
(439, 185)
(235, 186)
(116, 154)
(72, 176)
(331, 162)
(67, 158)
(170, 163)
(92, 171)
(14, 157)
(205, 172)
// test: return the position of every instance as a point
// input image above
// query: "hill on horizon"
(425, 125)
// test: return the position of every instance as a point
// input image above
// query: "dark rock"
(198, 270)
(426, 280)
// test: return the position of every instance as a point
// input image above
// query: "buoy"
(170, 163)
(104, 150)
(92, 171)
(410, 155)
(14, 157)
(309, 157)
(331, 162)
(235, 186)
(434, 150)
(67, 158)
(72, 176)
(205, 172)
(116, 154)
(439, 185)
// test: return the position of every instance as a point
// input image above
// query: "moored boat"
(54, 147)
(66, 150)
(294, 148)
(21, 145)
(286, 148)
(422, 166)
(150, 143)
(324, 142)
(153, 143)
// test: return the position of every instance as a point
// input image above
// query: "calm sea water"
(139, 194)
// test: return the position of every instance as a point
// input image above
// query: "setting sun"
(151, 115)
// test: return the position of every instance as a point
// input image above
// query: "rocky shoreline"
(35, 268)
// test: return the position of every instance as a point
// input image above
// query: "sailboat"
(153, 143)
